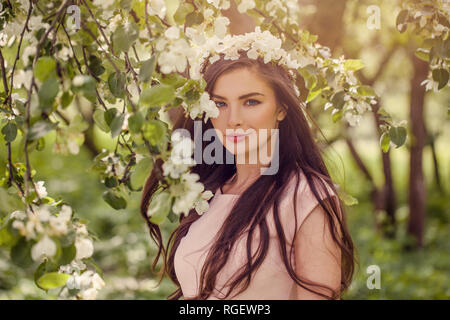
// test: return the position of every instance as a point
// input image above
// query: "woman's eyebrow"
(241, 97)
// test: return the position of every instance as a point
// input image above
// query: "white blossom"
(181, 156)
(59, 224)
(80, 80)
(192, 192)
(202, 204)
(157, 7)
(220, 4)
(41, 190)
(204, 105)
(45, 247)
(352, 119)
(23, 78)
(3, 39)
(64, 54)
(85, 248)
(220, 26)
(88, 282)
(104, 4)
(196, 35)
(430, 84)
(76, 266)
(172, 32)
(246, 5)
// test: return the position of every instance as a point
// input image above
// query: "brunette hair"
(297, 150)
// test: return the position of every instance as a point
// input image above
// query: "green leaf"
(126, 4)
(21, 253)
(423, 54)
(66, 99)
(309, 76)
(183, 10)
(9, 131)
(44, 68)
(147, 69)
(402, 20)
(68, 254)
(116, 83)
(95, 65)
(347, 198)
(441, 76)
(124, 37)
(337, 115)
(40, 129)
(40, 144)
(175, 80)
(313, 94)
(116, 125)
(110, 114)
(141, 172)
(172, 216)
(47, 93)
(86, 85)
(116, 202)
(171, 8)
(135, 122)
(194, 18)
(99, 119)
(397, 135)
(52, 280)
(338, 99)
(159, 207)
(7, 239)
(353, 65)
(154, 131)
(157, 95)
(385, 142)
(45, 267)
(366, 91)
(111, 182)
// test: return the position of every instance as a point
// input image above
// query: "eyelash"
(257, 102)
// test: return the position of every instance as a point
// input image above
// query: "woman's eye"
(217, 103)
(255, 102)
(251, 103)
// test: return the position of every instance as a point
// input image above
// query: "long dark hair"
(297, 150)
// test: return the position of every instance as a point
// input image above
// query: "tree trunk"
(417, 190)
(387, 193)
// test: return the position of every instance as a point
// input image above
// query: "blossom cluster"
(188, 192)
(86, 283)
(43, 227)
(191, 195)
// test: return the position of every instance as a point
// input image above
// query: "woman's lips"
(236, 138)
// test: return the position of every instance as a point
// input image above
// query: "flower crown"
(256, 44)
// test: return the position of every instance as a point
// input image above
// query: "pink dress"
(271, 280)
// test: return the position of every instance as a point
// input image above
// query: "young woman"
(277, 235)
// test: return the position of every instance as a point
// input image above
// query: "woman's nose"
(234, 117)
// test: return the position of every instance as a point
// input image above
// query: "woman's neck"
(245, 175)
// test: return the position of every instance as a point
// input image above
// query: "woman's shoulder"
(298, 186)
(299, 200)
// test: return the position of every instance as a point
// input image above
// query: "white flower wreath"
(256, 44)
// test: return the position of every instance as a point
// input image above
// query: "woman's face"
(247, 106)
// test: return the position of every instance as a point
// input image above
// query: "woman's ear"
(281, 114)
